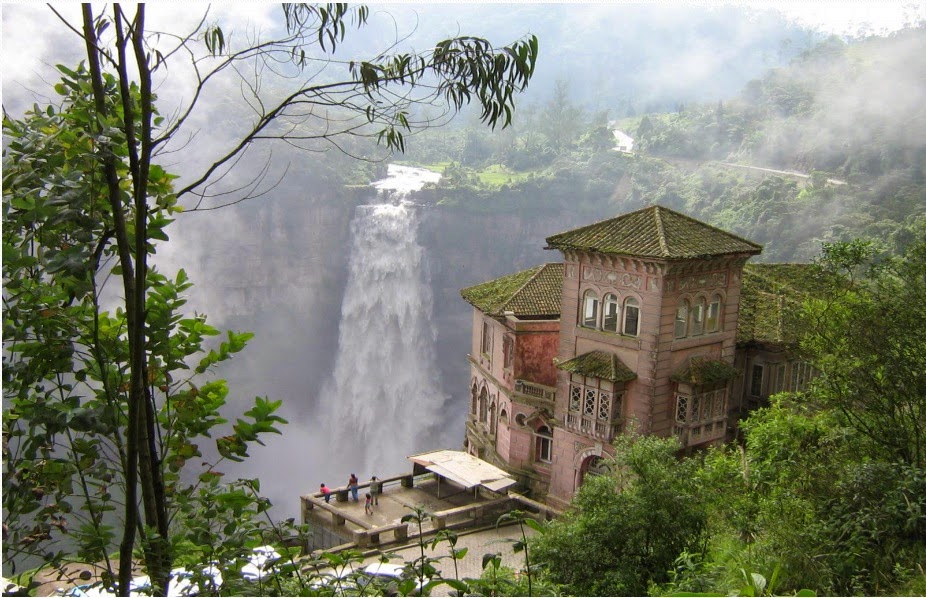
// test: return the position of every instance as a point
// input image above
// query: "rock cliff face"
(275, 267)
(467, 249)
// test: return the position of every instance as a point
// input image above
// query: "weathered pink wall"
(534, 356)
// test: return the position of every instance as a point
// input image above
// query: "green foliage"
(66, 366)
(499, 580)
(551, 159)
(803, 507)
(860, 338)
(105, 410)
(793, 458)
(461, 69)
(627, 528)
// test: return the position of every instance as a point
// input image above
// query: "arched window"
(475, 401)
(484, 406)
(681, 319)
(492, 418)
(598, 466)
(544, 445)
(590, 310)
(594, 465)
(697, 317)
(713, 314)
(631, 317)
(610, 306)
(503, 417)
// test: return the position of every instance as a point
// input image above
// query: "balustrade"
(591, 426)
(537, 391)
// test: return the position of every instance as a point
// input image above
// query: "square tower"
(647, 335)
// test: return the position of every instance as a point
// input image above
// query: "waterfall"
(384, 400)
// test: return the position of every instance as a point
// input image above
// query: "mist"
(279, 265)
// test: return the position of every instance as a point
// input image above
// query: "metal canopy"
(464, 469)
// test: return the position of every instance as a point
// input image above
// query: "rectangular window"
(544, 449)
(575, 397)
(755, 383)
(694, 407)
(486, 338)
(701, 413)
(776, 378)
(681, 409)
(589, 408)
(720, 402)
(508, 351)
(801, 375)
(604, 405)
(707, 405)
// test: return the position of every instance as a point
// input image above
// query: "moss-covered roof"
(771, 299)
(653, 232)
(769, 311)
(703, 371)
(534, 292)
(599, 364)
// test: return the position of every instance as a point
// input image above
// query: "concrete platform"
(343, 521)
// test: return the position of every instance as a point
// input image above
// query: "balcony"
(691, 435)
(701, 418)
(593, 427)
(532, 393)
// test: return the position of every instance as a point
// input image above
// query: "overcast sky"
(32, 35)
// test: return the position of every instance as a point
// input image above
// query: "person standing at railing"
(376, 487)
(353, 484)
(324, 490)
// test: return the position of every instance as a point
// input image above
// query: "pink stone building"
(636, 329)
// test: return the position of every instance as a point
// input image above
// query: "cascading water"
(384, 400)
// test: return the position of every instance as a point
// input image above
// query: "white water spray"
(384, 400)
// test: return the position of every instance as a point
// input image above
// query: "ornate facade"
(636, 328)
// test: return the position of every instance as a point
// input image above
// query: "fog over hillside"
(277, 265)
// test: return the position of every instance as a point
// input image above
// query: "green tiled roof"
(702, 371)
(534, 292)
(599, 364)
(654, 232)
(771, 300)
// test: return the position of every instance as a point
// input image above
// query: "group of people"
(353, 485)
